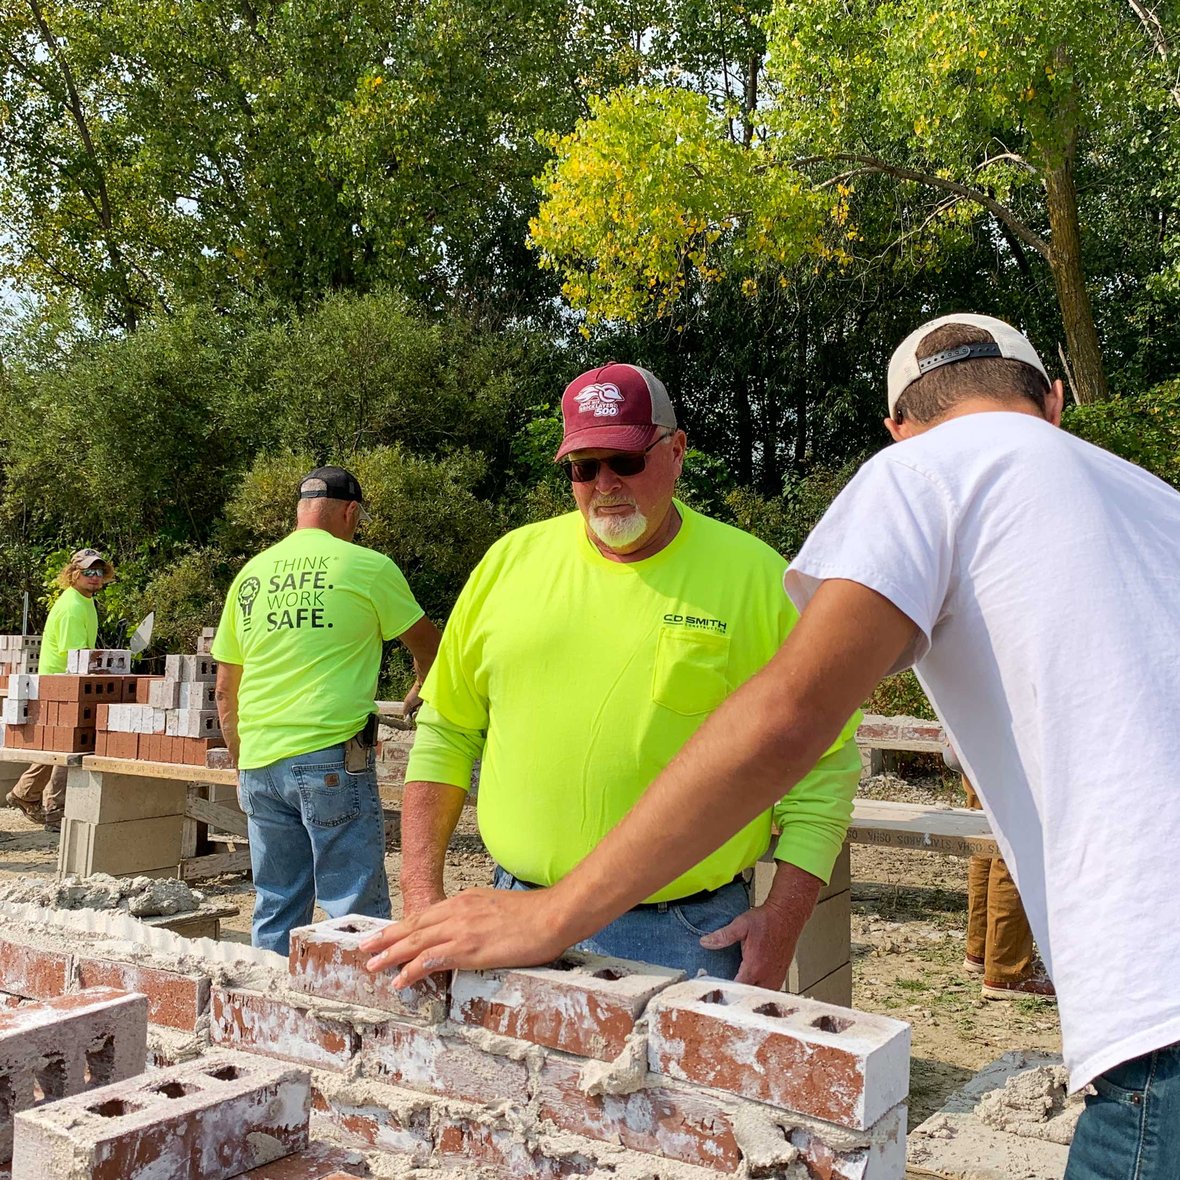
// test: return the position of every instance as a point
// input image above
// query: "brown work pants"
(997, 930)
(44, 784)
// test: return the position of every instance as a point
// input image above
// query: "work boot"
(30, 807)
(53, 819)
(1037, 986)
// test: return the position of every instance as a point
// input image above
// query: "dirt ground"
(909, 915)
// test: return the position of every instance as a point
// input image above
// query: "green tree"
(970, 111)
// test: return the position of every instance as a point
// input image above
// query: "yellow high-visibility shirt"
(576, 679)
(72, 624)
(305, 619)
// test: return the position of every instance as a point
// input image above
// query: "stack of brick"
(589, 1066)
(61, 712)
(19, 654)
(75, 1099)
(177, 722)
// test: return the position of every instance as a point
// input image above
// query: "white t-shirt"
(1043, 574)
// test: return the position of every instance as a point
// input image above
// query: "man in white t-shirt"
(1033, 582)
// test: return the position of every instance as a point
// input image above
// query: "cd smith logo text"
(699, 624)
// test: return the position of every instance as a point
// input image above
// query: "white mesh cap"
(905, 368)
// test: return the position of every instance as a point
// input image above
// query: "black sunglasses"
(628, 463)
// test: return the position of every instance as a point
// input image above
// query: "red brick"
(136, 690)
(326, 960)
(76, 741)
(65, 1046)
(419, 1058)
(502, 1149)
(321, 1161)
(210, 1119)
(583, 1004)
(102, 716)
(119, 745)
(368, 1123)
(282, 1027)
(175, 999)
(32, 972)
(797, 1054)
(676, 1122)
(76, 714)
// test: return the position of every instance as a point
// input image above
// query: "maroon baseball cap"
(616, 407)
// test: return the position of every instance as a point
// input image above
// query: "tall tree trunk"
(1065, 261)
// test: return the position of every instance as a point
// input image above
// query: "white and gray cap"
(905, 368)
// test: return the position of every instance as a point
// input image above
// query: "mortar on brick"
(227, 1114)
(66, 1045)
(256, 970)
(849, 1067)
(326, 960)
(583, 1003)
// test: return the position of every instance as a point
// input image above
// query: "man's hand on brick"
(475, 930)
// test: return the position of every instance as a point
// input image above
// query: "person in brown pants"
(999, 941)
(72, 623)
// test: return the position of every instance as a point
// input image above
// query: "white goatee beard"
(615, 531)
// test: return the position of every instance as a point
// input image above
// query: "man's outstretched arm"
(770, 732)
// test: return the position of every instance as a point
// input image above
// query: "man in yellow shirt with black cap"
(299, 652)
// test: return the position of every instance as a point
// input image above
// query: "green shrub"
(1144, 429)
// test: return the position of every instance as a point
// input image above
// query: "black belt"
(700, 895)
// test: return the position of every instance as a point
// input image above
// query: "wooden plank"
(41, 757)
(952, 831)
(214, 865)
(177, 771)
(224, 819)
(190, 832)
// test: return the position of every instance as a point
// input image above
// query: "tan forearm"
(229, 678)
(430, 814)
(792, 897)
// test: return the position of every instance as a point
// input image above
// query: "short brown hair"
(936, 393)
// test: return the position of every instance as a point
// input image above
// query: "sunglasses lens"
(581, 470)
(586, 470)
(627, 464)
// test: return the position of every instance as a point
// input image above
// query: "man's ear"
(897, 430)
(1055, 402)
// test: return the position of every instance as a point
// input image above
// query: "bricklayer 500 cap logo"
(601, 400)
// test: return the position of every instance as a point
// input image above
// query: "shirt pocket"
(691, 674)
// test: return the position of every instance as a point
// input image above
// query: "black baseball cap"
(332, 483)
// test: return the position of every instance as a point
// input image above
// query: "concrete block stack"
(60, 712)
(177, 722)
(19, 654)
(105, 661)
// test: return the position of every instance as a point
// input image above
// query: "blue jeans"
(669, 937)
(1130, 1130)
(316, 834)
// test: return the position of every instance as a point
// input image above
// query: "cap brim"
(609, 438)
